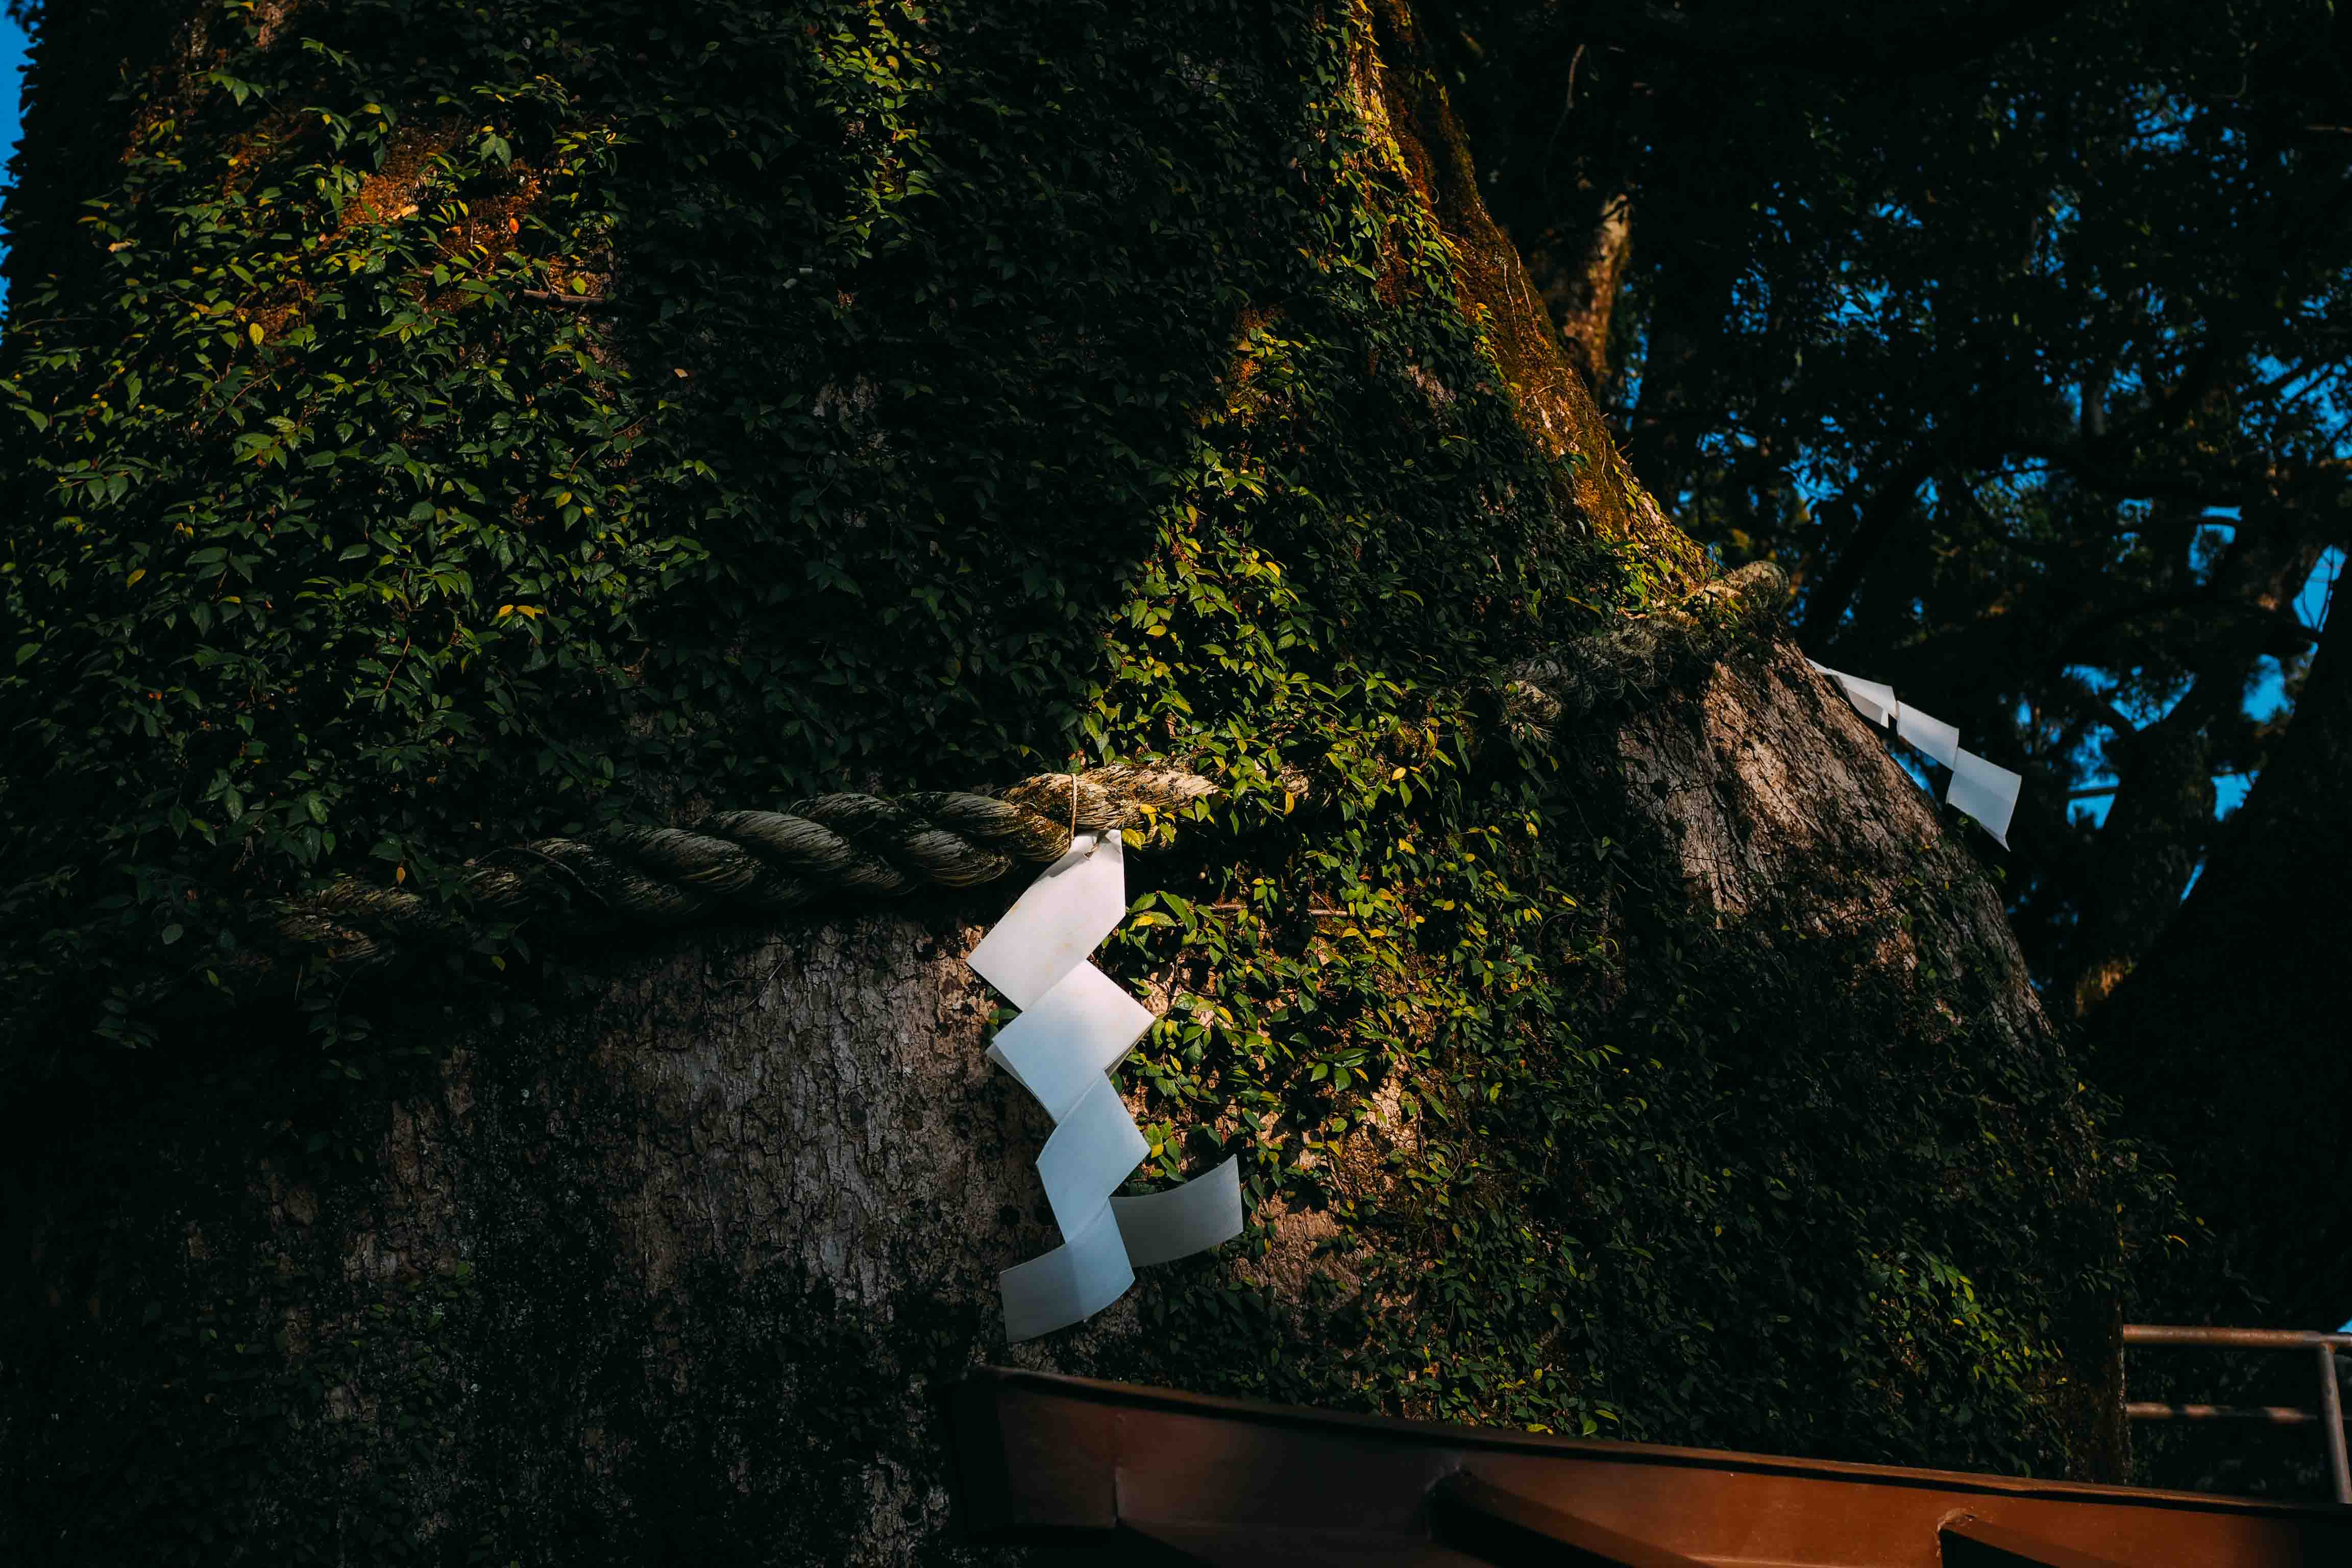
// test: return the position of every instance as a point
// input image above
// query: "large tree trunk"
(1759, 1135)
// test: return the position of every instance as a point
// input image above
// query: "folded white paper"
(1089, 1154)
(1067, 1285)
(1075, 1023)
(1204, 1211)
(1931, 735)
(1877, 702)
(1984, 791)
(1077, 1032)
(1051, 928)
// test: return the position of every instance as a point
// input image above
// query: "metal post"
(2331, 1416)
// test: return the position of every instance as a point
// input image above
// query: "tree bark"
(1562, 130)
(1581, 286)
(677, 1257)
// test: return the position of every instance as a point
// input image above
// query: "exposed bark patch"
(716, 1235)
(1295, 1254)
(1584, 294)
(1775, 796)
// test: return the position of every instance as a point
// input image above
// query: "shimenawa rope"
(764, 862)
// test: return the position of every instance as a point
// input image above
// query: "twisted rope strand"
(753, 862)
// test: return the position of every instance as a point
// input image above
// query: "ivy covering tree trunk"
(433, 425)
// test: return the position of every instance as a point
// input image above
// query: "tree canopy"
(2018, 335)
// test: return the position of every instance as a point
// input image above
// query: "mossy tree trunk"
(456, 423)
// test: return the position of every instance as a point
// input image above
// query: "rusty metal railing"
(1155, 1475)
(2329, 1416)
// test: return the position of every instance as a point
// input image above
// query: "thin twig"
(577, 301)
(1234, 906)
(1565, 109)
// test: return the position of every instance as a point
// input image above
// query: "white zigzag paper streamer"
(1982, 789)
(1076, 1024)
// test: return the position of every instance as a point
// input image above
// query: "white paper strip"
(1067, 1285)
(1204, 1211)
(1933, 736)
(1089, 1154)
(1077, 1032)
(1075, 1023)
(1986, 792)
(1065, 914)
(1877, 702)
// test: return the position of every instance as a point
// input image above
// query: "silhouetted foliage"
(2018, 335)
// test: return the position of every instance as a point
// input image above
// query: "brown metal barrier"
(2329, 1416)
(1112, 1473)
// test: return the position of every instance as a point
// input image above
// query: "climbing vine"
(463, 422)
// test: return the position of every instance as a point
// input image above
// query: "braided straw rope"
(768, 862)
(745, 862)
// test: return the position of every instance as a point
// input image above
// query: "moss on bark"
(499, 418)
